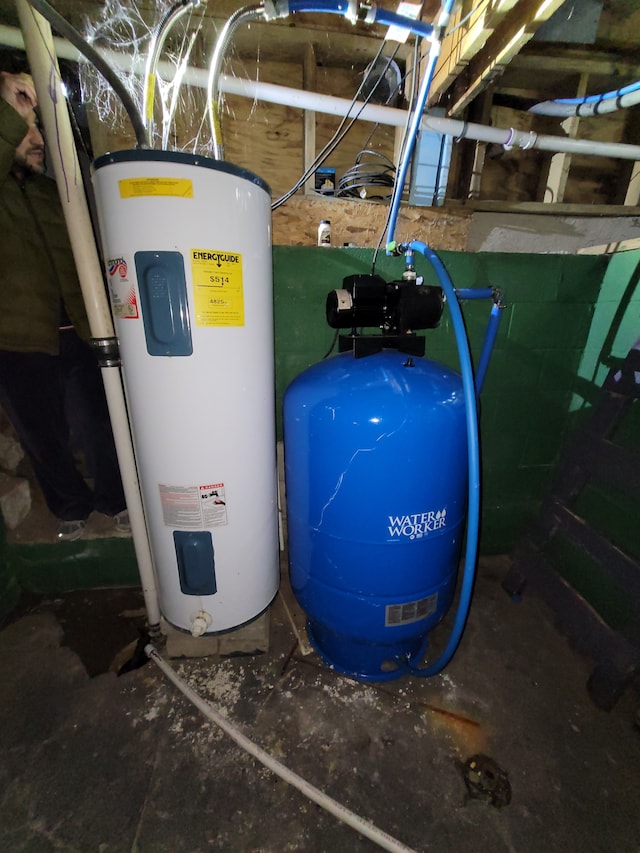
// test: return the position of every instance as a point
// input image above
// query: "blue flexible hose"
(487, 346)
(391, 19)
(474, 292)
(412, 134)
(335, 7)
(592, 99)
(473, 509)
(414, 128)
(591, 105)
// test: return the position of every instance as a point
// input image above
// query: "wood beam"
(560, 164)
(309, 83)
(628, 188)
(514, 31)
(551, 209)
(632, 196)
(465, 40)
(483, 109)
(574, 60)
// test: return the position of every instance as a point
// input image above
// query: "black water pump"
(397, 308)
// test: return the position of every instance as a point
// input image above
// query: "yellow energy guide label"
(218, 288)
(137, 187)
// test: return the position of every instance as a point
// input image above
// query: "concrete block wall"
(549, 358)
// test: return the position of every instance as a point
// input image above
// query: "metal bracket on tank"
(363, 345)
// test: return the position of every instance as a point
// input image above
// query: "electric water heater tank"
(187, 247)
(376, 488)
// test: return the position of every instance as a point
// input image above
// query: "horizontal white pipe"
(314, 101)
(397, 118)
(584, 109)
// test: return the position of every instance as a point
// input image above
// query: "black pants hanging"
(54, 404)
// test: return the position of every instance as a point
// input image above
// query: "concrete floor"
(94, 762)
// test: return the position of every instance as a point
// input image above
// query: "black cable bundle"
(368, 179)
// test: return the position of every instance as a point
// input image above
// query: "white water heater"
(187, 245)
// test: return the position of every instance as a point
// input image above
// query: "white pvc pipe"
(364, 827)
(39, 46)
(330, 105)
(609, 103)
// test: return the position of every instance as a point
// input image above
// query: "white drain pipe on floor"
(316, 102)
(364, 827)
(40, 50)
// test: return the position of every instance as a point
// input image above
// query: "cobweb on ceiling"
(180, 114)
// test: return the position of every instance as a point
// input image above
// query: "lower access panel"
(196, 565)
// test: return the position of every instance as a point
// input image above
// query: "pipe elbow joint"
(274, 9)
(498, 298)
(394, 249)
(351, 14)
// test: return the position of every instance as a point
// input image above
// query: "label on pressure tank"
(217, 285)
(193, 507)
(410, 611)
(417, 525)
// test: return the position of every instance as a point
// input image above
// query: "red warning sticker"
(193, 507)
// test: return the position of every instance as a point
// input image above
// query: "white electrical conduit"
(239, 17)
(62, 152)
(155, 48)
(364, 827)
(594, 105)
(313, 101)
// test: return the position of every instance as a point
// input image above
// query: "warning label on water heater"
(124, 302)
(137, 187)
(218, 289)
(194, 507)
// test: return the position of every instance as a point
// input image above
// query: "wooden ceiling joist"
(577, 60)
(513, 27)
(466, 39)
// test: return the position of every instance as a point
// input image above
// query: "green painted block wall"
(568, 318)
(533, 376)
(614, 514)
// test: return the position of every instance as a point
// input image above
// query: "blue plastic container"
(376, 483)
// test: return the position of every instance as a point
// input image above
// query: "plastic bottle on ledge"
(324, 233)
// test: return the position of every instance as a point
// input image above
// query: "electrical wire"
(65, 29)
(416, 62)
(333, 344)
(335, 140)
(464, 20)
(591, 105)
(158, 39)
(358, 181)
(339, 134)
(226, 34)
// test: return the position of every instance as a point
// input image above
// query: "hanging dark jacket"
(37, 270)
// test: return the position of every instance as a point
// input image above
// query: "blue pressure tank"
(376, 492)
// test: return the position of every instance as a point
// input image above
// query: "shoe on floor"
(122, 522)
(68, 531)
